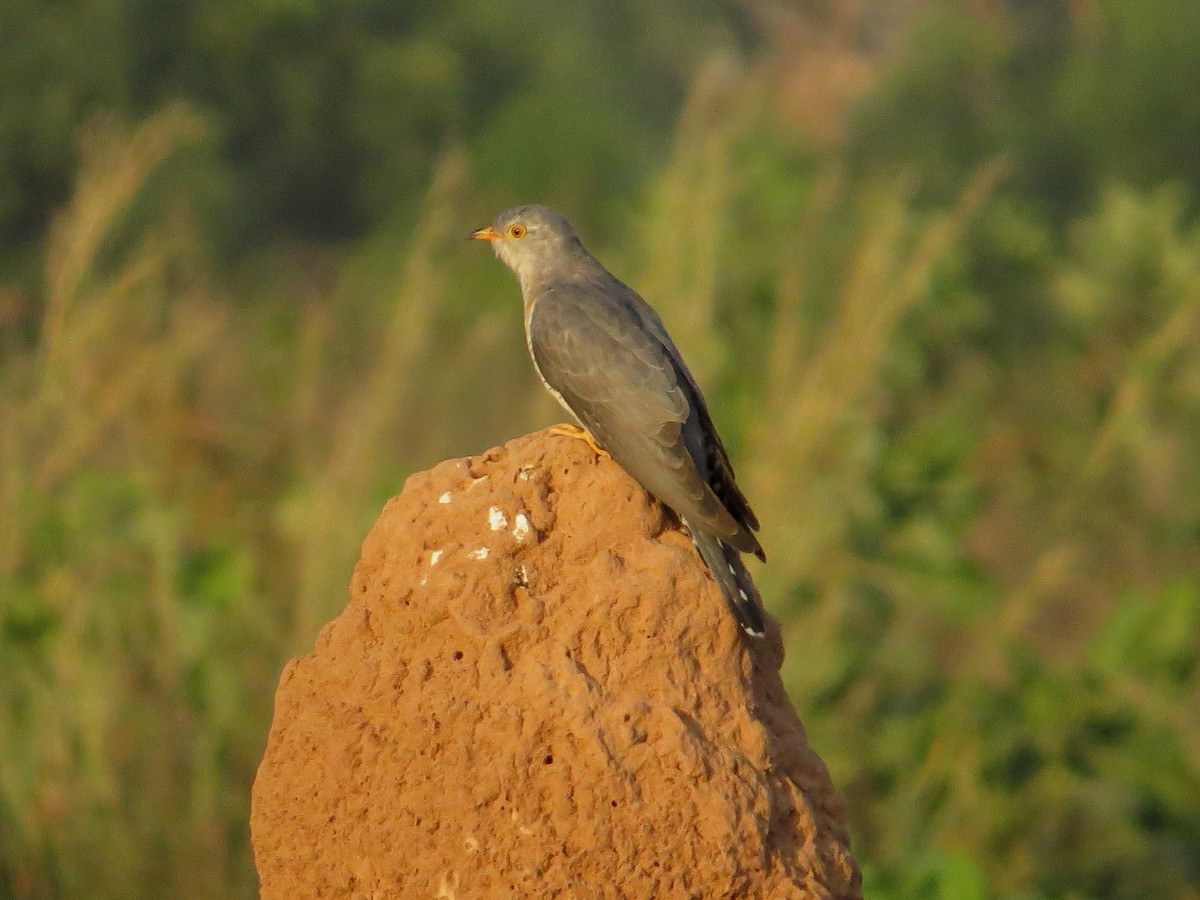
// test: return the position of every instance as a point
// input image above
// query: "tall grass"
(985, 566)
(338, 486)
(111, 777)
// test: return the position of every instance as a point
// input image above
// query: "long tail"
(725, 562)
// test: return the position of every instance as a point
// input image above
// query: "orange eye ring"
(516, 231)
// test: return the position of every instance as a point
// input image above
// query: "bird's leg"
(582, 434)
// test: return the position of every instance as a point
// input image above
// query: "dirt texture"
(536, 690)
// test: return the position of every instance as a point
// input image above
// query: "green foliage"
(1131, 91)
(328, 118)
(957, 357)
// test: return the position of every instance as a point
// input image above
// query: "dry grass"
(340, 485)
(97, 418)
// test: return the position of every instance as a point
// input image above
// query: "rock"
(536, 690)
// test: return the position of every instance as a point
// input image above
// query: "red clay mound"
(536, 691)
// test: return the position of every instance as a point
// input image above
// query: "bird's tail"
(725, 562)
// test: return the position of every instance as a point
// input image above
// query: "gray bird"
(605, 356)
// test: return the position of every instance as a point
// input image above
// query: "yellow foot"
(582, 434)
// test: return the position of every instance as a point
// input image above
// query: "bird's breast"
(529, 308)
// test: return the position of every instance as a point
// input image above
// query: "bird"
(605, 355)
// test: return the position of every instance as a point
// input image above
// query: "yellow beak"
(486, 234)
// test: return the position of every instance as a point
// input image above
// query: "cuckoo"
(604, 354)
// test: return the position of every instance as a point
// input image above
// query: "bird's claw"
(581, 434)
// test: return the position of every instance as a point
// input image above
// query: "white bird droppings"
(481, 553)
(475, 481)
(434, 557)
(497, 519)
(445, 498)
(521, 527)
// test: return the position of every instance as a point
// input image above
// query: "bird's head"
(534, 241)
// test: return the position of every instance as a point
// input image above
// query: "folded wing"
(620, 376)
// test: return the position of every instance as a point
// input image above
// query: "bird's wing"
(704, 443)
(615, 375)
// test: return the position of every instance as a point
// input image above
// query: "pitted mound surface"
(536, 690)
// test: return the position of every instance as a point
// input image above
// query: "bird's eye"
(516, 231)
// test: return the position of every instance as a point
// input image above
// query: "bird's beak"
(485, 234)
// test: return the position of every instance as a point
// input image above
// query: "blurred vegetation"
(938, 265)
